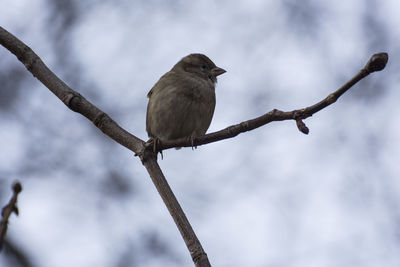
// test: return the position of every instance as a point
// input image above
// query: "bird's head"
(200, 65)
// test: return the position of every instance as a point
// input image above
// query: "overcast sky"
(269, 197)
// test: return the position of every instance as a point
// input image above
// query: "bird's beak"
(217, 71)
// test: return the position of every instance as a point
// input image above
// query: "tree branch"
(69, 97)
(376, 63)
(7, 210)
(108, 126)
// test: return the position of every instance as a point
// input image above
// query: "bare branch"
(7, 210)
(376, 63)
(79, 104)
(69, 97)
(197, 252)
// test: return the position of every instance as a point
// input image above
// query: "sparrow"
(182, 102)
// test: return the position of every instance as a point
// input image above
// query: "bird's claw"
(154, 142)
(192, 141)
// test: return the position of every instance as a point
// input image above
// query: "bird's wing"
(165, 80)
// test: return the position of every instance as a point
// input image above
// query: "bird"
(182, 102)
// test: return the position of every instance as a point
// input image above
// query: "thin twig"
(376, 63)
(7, 210)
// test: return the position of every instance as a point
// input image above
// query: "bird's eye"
(203, 67)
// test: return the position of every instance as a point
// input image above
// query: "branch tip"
(17, 187)
(377, 62)
(302, 126)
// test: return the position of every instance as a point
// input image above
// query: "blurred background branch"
(7, 210)
(16, 256)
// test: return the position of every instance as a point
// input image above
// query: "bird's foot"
(154, 142)
(192, 141)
